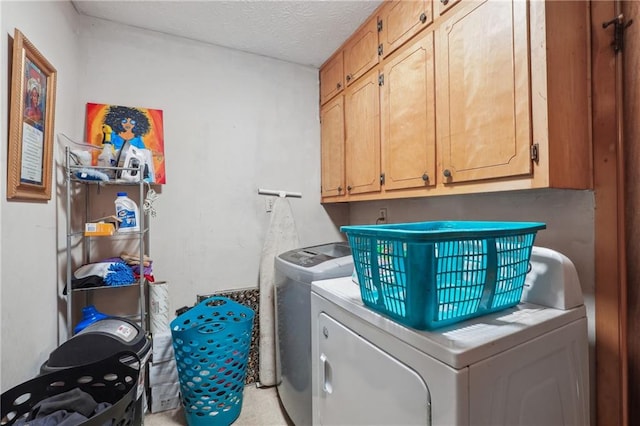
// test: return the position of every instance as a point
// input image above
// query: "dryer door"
(360, 384)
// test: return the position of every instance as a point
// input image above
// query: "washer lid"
(309, 257)
(458, 345)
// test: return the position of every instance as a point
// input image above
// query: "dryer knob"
(325, 332)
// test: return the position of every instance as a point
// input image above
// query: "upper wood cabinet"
(493, 95)
(331, 78)
(399, 20)
(332, 148)
(361, 51)
(362, 124)
(408, 127)
(483, 100)
(444, 5)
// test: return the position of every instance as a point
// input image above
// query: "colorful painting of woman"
(128, 124)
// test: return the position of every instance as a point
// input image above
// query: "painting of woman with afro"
(127, 124)
(140, 127)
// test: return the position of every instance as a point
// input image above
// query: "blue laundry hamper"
(211, 345)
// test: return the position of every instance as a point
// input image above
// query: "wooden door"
(332, 148)
(401, 20)
(408, 117)
(483, 92)
(331, 78)
(361, 51)
(362, 124)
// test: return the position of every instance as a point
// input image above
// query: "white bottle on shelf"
(107, 158)
(127, 211)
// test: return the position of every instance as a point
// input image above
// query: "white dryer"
(526, 365)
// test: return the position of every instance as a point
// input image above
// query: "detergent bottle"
(127, 211)
(106, 157)
(89, 315)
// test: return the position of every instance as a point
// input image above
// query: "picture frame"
(31, 120)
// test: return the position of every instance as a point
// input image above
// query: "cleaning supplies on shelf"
(88, 174)
(127, 211)
(107, 157)
(119, 274)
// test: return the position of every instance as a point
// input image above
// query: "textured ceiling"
(305, 32)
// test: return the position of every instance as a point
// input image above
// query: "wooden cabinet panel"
(483, 92)
(408, 117)
(401, 20)
(331, 78)
(511, 81)
(362, 124)
(361, 51)
(332, 148)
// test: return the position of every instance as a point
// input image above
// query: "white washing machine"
(294, 272)
(526, 365)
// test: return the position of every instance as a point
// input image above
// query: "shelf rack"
(71, 179)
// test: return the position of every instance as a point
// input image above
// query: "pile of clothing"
(69, 408)
(113, 271)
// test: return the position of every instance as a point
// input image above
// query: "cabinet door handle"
(325, 370)
(444, 2)
(339, 86)
(349, 188)
(339, 189)
(447, 173)
(423, 17)
(348, 78)
(425, 177)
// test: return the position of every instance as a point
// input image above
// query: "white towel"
(281, 237)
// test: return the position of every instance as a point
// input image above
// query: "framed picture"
(33, 96)
(136, 133)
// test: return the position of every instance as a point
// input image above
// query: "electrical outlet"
(382, 215)
(268, 205)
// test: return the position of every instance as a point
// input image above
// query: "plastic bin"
(112, 380)
(211, 345)
(431, 274)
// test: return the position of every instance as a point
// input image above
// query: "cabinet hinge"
(535, 154)
(618, 31)
(379, 24)
(380, 49)
(381, 178)
(381, 80)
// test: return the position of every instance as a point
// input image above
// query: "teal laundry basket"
(427, 275)
(211, 345)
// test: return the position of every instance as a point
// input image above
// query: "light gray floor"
(260, 407)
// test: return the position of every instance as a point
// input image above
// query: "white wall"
(233, 123)
(30, 300)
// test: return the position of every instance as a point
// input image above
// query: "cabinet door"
(331, 78)
(408, 117)
(401, 20)
(332, 148)
(483, 92)
(362, 124)
(361, 52)
(444, 5)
